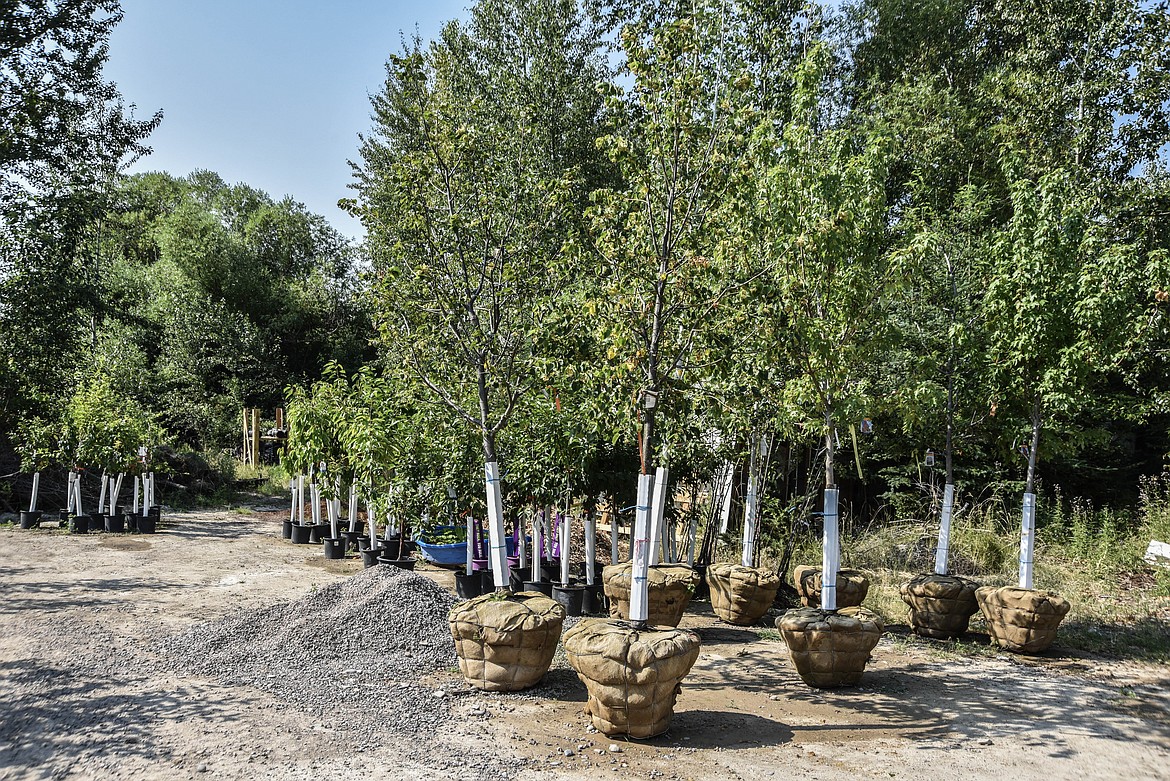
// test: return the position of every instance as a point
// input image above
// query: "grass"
(1090, 556)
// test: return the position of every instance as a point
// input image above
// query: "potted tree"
(819, 228)
(469, 186)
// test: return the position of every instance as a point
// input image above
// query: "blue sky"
(271, 93)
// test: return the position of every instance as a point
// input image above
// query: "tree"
(474, 175)
(63, 135)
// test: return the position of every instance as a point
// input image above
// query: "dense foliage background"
(780, 220)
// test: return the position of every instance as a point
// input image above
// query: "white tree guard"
(658, 513)
(944, 531)
(535, 549)
(614, 526)
(639, 595)
(1027, 540)
(498, 555)
(750, 513)
(77, 496)
(300, 498)
(102, 493)
(69, 493)
(315, 498)
(830, 551)
(691, 542)
(565, 529)
(352, 507)
(726, 478)
(470, 544)
(590, 547)
(372, 520)
(134, 506)
(32, 502)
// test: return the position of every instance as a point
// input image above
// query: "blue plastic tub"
(452, 554)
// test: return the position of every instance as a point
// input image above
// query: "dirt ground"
(82, 695)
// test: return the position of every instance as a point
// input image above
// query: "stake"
(944, 531)
(639, 596)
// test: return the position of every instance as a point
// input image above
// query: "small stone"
(201, 767)
(614, 748)
(986, 742)
(569, 752)
(440, 694)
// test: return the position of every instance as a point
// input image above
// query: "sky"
(270, 93)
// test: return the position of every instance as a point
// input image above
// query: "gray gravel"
(352, 652)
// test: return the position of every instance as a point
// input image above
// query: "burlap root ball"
(506, 644)
(741, 595)
(632, 676)
(852, 586)
(940, 605)
(1022, 620)
(669, 590)
(830, 649)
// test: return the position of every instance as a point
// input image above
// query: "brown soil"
(921, 711)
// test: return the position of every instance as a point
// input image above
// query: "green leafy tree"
(470, 183)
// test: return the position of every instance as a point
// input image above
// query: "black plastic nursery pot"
(468, 586)
(116, 523)
(406, 563)
(318, 532)
(97, 522)
(30, 519)
(593, 599)
(63, 515)
(286, 529)
(370, 556)
(353, 539)
(392, 545)
(516, 578)
(569, 597)
(543, 586)
(132, 522)
(488, 581)
(301, 535)
(147, 524)
(334, 547)
(79, 524)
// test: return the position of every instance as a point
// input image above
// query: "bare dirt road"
(90, 689)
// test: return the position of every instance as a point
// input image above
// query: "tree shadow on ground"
(82, 593)
(76, 714)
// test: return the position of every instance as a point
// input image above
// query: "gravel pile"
(350, 652)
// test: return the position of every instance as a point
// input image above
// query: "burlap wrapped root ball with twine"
(669, 590)
(741, 595)
(1022, 620)
(830, 649)
(506, 644)
(632, 675)
(941, 606)
(852, 586)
